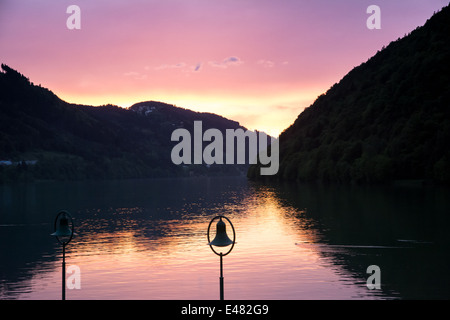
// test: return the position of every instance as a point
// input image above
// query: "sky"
(259, 62)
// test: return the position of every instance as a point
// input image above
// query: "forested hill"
(387, 119)
(44, 137)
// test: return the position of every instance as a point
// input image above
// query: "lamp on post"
(64, 233)
(221, 240)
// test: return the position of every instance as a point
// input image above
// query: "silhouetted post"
(221, 276)
(64, 234)
(64, 273)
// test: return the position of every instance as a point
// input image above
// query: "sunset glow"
(257, 62)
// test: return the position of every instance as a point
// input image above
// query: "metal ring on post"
(72, 226)
(234, 235)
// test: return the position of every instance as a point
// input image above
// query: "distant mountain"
(185, 117)
(387, 119)
(44, 137)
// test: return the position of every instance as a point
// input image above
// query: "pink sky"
(258, 62)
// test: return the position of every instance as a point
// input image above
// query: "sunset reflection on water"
(132, 253)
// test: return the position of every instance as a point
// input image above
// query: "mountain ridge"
(73, 141)
(386, 119)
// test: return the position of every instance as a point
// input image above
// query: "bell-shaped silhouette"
(221, 239)
(63, 229)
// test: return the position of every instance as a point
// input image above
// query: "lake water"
(146, 239)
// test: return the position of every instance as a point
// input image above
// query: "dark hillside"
(44, 137)
(387, 119)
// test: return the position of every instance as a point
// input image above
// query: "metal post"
(221, 277)
(64, 273)
(63, 234)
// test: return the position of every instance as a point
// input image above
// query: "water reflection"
(147, 240)
(400, 229)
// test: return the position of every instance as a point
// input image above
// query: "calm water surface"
(146, 239)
